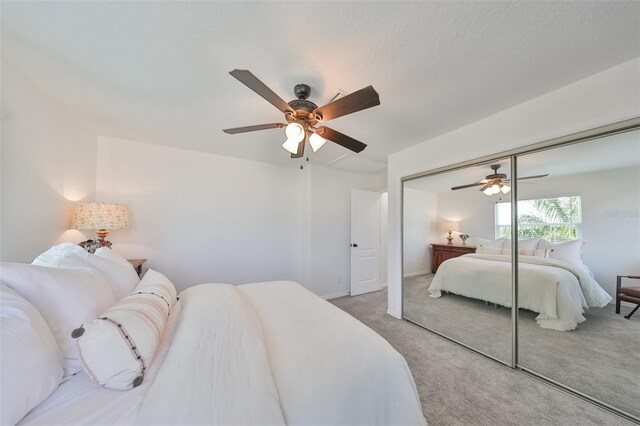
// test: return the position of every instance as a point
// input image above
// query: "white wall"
(473, 209)
(202, 217)
(420, 214)
(330, 228)
(610, 96)
(613, 239)
(48, 163)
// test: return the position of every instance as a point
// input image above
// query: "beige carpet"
(460, 387)
(600, 357)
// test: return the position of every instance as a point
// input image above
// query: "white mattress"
(80, 401)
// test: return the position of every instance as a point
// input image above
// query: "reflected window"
(555, 219)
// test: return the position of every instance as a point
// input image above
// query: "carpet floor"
(460, 387)
(600, 357)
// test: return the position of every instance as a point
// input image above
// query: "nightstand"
(442, 252)
(137, 265)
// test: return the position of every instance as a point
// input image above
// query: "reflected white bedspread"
(556, 290)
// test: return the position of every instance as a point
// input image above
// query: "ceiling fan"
(303, 116)
(495, 182)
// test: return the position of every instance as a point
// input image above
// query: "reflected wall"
(446, 217)
(585, 214)
(577, 246)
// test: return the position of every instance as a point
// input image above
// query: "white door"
(365, 241)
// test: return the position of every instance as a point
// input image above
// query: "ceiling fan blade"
(245, 129)
(341, 139)
(354, 102)
(252, 82)
(471, 185)
(533, 177)
(300, 152)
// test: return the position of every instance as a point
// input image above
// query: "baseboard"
(335, 295)
(394, 314)
(415, 274)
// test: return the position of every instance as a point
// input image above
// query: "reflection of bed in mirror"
(559, 291)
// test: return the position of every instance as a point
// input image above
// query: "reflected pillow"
(481, 249)
(533, 253)
(567, 251)
(499, 243)
(528, 246)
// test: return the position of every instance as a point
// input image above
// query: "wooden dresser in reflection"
(442, 252)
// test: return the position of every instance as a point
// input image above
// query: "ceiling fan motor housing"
(303, 108)
(495, 174)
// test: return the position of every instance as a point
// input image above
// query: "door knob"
(354, 245)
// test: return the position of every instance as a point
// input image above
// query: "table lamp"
(450, 225)
(102, 217)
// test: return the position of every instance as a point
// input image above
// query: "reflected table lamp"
(450, 226)
(101, 217)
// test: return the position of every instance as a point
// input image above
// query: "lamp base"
(449, 239)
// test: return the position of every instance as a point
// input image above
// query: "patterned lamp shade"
(99, 216)
(451, 225)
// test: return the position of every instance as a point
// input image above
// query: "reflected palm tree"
(554, 219)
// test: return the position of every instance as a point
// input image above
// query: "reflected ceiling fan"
(495, 183)
(303, 116)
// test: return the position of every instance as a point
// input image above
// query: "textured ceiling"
(157, 71)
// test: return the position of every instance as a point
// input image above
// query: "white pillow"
(545, 244)
(482, 249)
(107, 253)
(523, 245)
(532, 253)
(65, 297)
(567, 251)
(120, 274)
(30, 360)
(499, 243)
(117, 347)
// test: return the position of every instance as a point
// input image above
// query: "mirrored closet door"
(570, 264)
(452, 223)
(579, 234)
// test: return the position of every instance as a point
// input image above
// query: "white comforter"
(274, 353)
(556, 290)
(264, 353)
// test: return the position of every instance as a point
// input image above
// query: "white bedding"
(80, 401)
(558, 291)
(325, 367)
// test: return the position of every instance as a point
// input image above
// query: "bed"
(262, 353)
(558, 291)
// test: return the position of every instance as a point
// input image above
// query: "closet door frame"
(513, 154)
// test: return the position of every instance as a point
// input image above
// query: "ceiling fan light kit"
(303, 116)
(495, 183)
(316, 141)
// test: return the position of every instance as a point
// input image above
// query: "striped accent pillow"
(117, 348)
